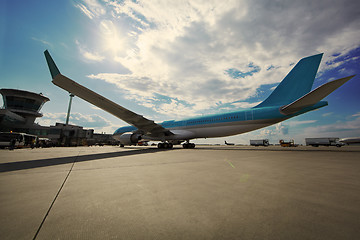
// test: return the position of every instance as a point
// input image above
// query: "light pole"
(69, 108)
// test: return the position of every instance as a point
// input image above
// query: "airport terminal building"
(20, 110)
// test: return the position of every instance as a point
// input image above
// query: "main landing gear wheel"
(189, 145)
(165, 145)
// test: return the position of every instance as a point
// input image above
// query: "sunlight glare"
(112, 41)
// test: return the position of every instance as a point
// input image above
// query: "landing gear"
(165, 145)
(189, 145)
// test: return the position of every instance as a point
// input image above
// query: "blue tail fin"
(296, 84)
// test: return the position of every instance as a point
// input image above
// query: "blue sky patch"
(236, 74)
(269, 68)
(166, 99)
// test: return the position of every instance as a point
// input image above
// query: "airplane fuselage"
(221, 125)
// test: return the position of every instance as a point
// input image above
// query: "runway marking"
(244, 178)
(56, 196)
(229, 163)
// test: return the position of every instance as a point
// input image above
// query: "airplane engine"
(129, 138)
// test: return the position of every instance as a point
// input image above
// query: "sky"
(177, 59)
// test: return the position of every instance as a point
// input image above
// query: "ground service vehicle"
(260, 142)
(13, 140)
(288, 143)
(315, 142)
(44, 143)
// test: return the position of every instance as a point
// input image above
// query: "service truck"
(315, 142)
(260, 142)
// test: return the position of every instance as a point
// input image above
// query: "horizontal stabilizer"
(314, 96)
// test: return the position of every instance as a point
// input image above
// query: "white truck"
(315, 142)
(259, 142)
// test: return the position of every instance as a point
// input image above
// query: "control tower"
(20, 109)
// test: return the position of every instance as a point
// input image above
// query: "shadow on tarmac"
(15, 166)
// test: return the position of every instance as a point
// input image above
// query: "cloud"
(181, 109)
(245, 104)
(279, 130)
(89, 121)
(327, 114)
(356, 115)
(92, 56)
(341, 129)
(85, 10)
(42, 41)
(201, 53)
(297, 123)
(282, 128)
(51, 118)
(337, 61)
(91, 8)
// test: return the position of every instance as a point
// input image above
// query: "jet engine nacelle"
(129, 138)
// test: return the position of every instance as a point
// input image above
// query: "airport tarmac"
(211, 192)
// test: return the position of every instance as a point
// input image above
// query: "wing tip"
(54, 71)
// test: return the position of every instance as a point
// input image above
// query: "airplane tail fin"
(296, 84)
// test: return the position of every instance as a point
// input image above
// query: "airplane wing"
(314, 96)
(147, 126)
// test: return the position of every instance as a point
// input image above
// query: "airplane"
(230, 144)
(292, 97)
(352, 140)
